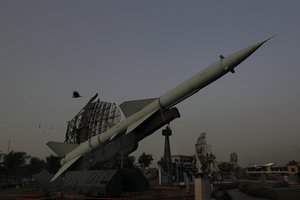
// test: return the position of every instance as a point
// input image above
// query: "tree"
(145, 160)
(124, 162)
(35, 165)
(128, 162)
(292, 162)
(52, 163)
(14, 163)
(1, 164)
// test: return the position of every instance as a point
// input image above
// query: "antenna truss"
(94, 118)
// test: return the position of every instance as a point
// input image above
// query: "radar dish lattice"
(94, 118)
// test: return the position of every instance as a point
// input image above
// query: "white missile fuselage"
(165, 101)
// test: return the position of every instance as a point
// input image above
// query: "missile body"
(167, 100)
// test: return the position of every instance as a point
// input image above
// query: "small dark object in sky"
(76, 94)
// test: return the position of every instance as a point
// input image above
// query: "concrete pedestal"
(202, 189)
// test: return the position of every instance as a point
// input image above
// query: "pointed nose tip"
(239, 56)
(256, 46)
(269, 38)
(263, 42)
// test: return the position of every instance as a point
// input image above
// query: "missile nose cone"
(263, 42)
(254, 47)
(236, 58)
(269, 39)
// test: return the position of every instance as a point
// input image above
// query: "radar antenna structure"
(94, 118)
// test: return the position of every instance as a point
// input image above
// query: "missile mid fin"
(130, 107)
(64, 168)
(61, 148)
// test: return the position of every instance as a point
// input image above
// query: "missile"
(138, 110)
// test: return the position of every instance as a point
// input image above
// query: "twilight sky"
(127, 50)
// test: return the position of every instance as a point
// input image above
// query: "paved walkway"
(237, 195)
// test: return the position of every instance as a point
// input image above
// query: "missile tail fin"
(61, 148)
(130, 107)
(64, 168)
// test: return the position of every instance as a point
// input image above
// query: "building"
(182, 159)
(292, 168)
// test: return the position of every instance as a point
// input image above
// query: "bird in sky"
(76, 94)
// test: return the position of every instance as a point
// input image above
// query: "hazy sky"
(127, 50)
